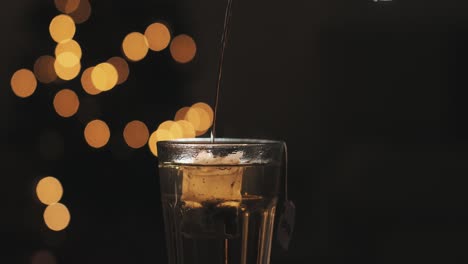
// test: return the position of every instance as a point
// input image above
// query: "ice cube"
(207, 183)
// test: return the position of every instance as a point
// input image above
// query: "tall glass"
(219, 199)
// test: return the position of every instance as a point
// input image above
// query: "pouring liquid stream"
(224, 37)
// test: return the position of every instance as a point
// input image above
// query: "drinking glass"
(219, 199)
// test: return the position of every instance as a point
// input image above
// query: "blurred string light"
(43, 257)
(56, 216)
(174, 128)
(97, 133)
(44, 69)
(67, 59)
(187, 129)
(49, 190)
(87, 83)
(82, 13)
(156, 136)
(135, 46)
(62, 28)
(66, 103)
(122, 68)
(104, 76)
(67, 6)
(69, 46)
(188, 122)
(23, 83)
(158, 36)
(136, 134)
(67, 73)
(183, 48)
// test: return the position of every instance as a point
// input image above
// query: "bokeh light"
(69, 46)
(180, 114)
(23, 83)
(43, 257)
(199, 118)
(66, 103)
(44, 69)
(122, 68)
(156, 136)
(136, 134)
(188, 131)
(104, 76)
(135, 46)
(87, 83)
(174, 128)
(183, 48)
(57, 217)
(62, 28)
(66, 6)
(66, 73)
(207, 109)
(67, 59)
(49, 190)
(158, 36)
(97, 133)
(82, 13)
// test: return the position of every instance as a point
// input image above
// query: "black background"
(369, 95)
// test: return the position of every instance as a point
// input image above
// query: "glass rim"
(219, 142)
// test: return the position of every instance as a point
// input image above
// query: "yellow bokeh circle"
(62, 28)
(104, 76)
(49, 190)
(135, 46)
(158, 36)
(57, 217)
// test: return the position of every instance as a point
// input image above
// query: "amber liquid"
(219, 231)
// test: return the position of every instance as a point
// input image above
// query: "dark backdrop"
(369, 95)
